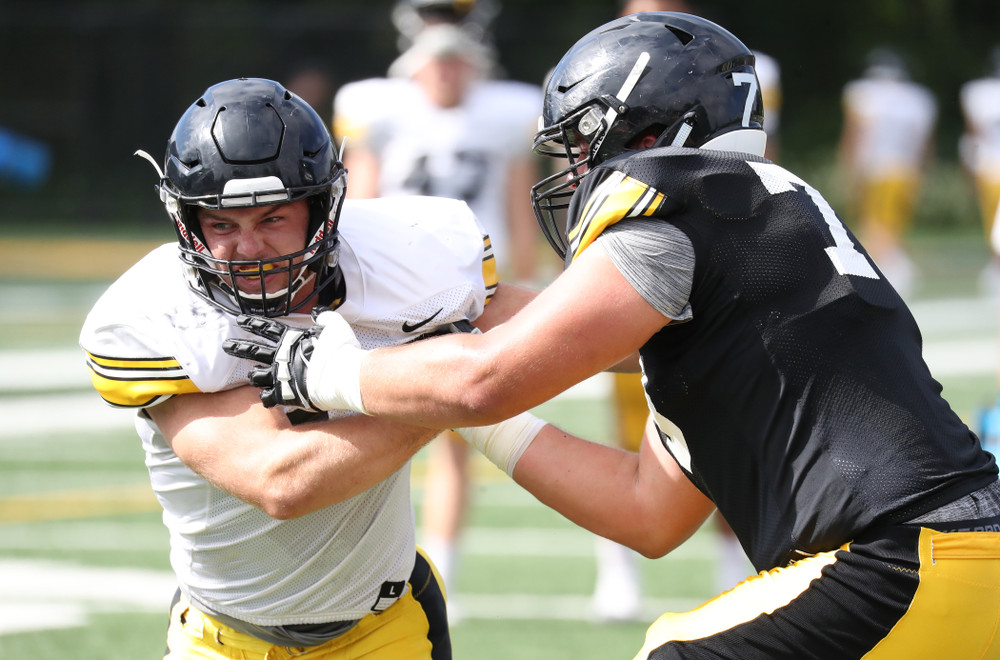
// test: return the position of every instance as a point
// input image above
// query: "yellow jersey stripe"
(490, 276)
(128, 393)
(625, 197)
(137, 382)
(134, 363)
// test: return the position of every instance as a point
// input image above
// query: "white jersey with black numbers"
(409, 266)
(461, 153)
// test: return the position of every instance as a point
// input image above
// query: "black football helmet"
(250, 142)
(679, 78)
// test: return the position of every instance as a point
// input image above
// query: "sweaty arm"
(600, 311)
(257, 455)
(570, 331)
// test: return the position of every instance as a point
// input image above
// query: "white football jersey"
(409, 266)
(980, 101)
(461, 153)
(896, 119)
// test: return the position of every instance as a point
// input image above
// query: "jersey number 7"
(845, 257)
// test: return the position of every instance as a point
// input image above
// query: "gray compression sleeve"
(657, 259)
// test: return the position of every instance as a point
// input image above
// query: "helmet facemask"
(571, 140)
(217, 280)
(250, 143)
(579, 138)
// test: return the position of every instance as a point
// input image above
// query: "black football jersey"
(797, 397)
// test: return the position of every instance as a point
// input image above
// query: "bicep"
(194, 423)
(667, 499)
(589, 319)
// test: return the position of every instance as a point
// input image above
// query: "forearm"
(643, 501)
(323, 463)
(590, 484)
(442, 383)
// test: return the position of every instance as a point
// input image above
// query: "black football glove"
(282, 378)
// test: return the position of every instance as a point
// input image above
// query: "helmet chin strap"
(222, 287)
(684, 131)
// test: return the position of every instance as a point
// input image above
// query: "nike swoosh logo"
(407, 327)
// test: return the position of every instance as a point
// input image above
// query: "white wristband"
(333, 379)
(505, 442)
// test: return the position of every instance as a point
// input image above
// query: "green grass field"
(83, 556)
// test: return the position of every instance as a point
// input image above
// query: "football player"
(884, 147)
(286, 530)
(980, 144)
(783, 372)
(410, 17)
(618, 589)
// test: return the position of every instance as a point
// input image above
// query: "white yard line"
(43, 414)
(42, 595)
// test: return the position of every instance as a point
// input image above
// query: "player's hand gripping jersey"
(751, 378)
(410, 265)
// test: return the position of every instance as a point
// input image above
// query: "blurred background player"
(441, 125)
(980, 154)
(979, 149)
(885, 146)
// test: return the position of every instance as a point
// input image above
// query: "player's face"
(446, 79)
(255, 234)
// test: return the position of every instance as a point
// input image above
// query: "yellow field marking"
(71, 258)
(77, 503)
